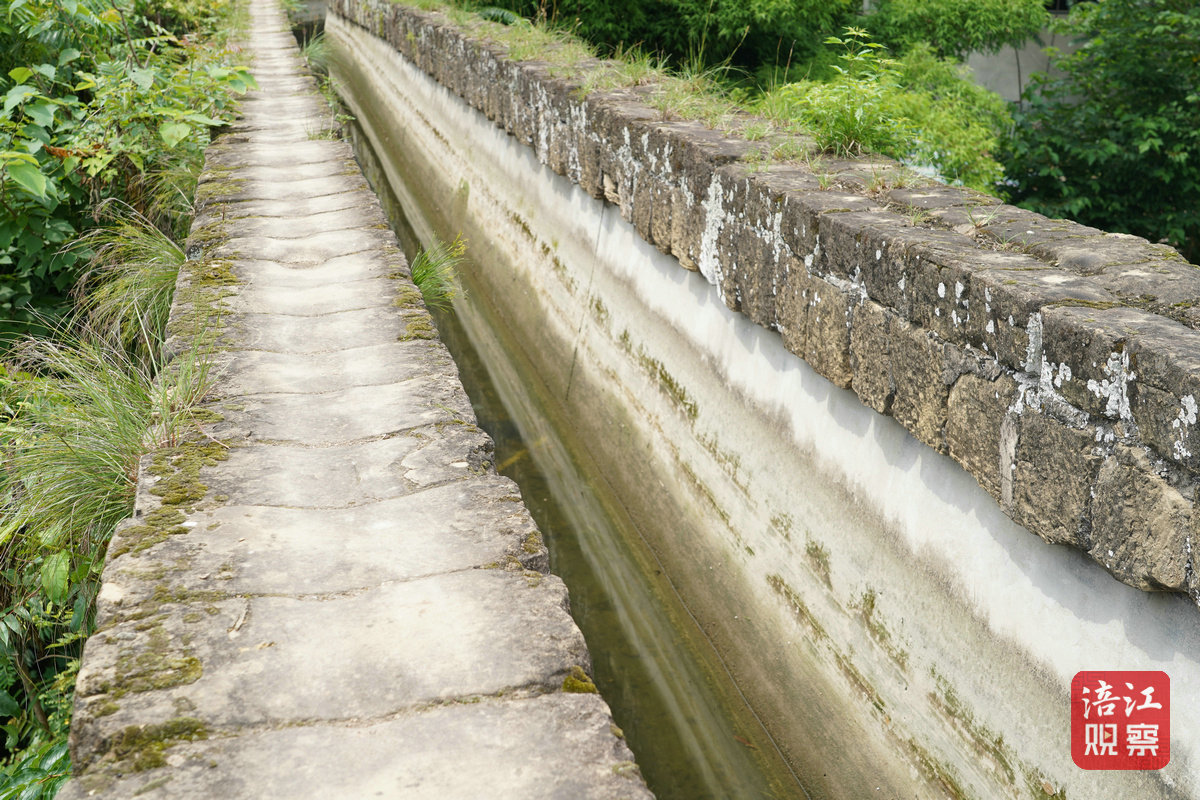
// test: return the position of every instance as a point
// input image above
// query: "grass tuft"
(124, 297)
(435, 272)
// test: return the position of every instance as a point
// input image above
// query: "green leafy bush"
(920, 109)
(1115, 143)
(856, 111)
(97, 99)
(958, 126)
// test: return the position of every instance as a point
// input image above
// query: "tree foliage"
(1115, 143)
(954, 28)
(745, 32)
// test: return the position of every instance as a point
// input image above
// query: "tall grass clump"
(435, 272)
(316, 53)
(124, 296)
(78, 416)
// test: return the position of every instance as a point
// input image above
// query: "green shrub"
(857, 110)
(920, 109)
(958, 125)
(96, 98)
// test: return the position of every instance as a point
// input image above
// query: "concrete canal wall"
(912, 457)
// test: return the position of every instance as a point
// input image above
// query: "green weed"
(124, 297)
(434, 271)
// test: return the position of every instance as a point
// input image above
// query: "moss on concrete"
(418, 326)
(143, 747)
(578, 682)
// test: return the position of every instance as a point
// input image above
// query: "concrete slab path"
(330, 593)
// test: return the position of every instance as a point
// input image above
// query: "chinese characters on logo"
(1121, 719)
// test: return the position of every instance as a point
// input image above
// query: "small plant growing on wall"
(435, 272)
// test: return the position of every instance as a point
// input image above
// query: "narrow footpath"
(328, 592)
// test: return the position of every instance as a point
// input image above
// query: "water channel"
(690, 728)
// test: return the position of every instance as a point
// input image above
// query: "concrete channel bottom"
(349, 602)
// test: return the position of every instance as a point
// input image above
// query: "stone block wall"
(1057, 363)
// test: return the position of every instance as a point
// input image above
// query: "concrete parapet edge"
(1058, 364)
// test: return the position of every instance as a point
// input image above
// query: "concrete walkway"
(331, 594)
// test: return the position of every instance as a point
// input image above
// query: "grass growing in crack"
(435, 272)
(694, 92)
(318, 56)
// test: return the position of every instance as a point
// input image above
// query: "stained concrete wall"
(837, 427)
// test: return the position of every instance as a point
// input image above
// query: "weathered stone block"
(922, 388)
(1053, 475)
(975, 414)
(812, 215)
(885, 238)
(940, 278)
(1013, 293)
(1140, 524)
(1165, 356)
(792, 305)
(813, 319)
(870, 356)
(662, 202)
(643, 204)
(827, 348)
(1086, 348)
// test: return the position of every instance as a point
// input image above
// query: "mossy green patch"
(106, 709)
(668, 383)
(818, 559)
(533, 544)
(152, 661)
(143, 747)
(1073, 301)
(578, 682)
(178, 469)
(797, 605)
(407, 296)
(154, 528)
(418, 326)
(985, 742)
(937, 773)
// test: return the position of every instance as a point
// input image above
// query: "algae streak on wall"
(898, 632)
